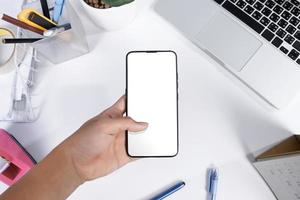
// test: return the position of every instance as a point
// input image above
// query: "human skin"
(95, 150)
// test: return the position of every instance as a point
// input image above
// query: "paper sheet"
(282, 174)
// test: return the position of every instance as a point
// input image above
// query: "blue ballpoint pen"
(213, 183)
(169, 191)
(59, 4)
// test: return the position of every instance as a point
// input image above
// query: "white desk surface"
(219, 123)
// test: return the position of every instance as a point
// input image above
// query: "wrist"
(52, 178)
(66, 153)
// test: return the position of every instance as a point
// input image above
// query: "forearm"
(53, 178)
(95, 150)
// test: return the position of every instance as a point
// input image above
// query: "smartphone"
(152, 96)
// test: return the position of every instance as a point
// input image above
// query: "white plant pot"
(111, 18)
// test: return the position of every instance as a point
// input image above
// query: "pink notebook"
(18, 160)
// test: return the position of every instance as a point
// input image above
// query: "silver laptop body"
(223, 32)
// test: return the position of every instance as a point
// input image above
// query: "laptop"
(257, 41)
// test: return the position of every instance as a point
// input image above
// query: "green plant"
(116, 3)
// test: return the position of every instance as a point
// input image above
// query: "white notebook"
(280, 168)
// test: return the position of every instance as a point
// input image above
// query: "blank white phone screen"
(152, 98)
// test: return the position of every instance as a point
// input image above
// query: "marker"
(169, 191)
(20, 24)
(59, 4)
(35, 19)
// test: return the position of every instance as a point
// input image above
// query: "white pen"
(23, 75)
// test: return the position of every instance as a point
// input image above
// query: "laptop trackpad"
(228, 41)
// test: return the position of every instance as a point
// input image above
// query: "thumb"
(127, 123)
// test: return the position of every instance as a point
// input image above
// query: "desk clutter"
(16, 100)
(49, 29)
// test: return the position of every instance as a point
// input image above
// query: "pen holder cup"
(65, 45)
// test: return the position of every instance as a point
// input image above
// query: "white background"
(219, 123)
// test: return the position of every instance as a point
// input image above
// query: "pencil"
(45, 8)
(19, 40)
(21, 24)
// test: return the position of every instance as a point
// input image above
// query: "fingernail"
(139, 132)
(145, 124)
(140, 127)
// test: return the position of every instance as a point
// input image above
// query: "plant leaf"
(117, 3)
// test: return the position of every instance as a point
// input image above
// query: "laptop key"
(258, 6)
(295, 2)
(289, 39)
(277, 9)
(274, 17)
(298, 61)
(282, 23)
(277, 42)
(249, 9)
(287, 5)
(279, 1)
(281, 33)
(297, 35)
(294, 21)
(284, 50)
(268, 35)
(251, 2)
(293, 54)
(296, 45)
(241, 4)
(266, 11)
(233, 1)
(270, 4)
(256, 15)
(256, 26)
(286, 15)
(295, 11)
(273, 27)
(290, 29)
(219, 1)
(265, 21)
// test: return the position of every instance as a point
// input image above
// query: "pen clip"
(213, 178)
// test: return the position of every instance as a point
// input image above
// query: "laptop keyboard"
(276, 20)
